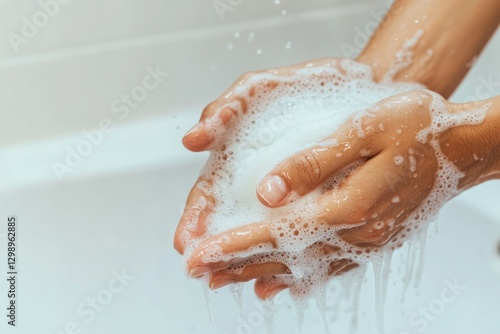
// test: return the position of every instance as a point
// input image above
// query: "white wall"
(67, 75)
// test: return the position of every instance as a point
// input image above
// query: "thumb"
(307, 169)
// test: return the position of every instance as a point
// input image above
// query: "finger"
(371, 203)
(250, 272)
(309, 168)
(212, 253)
(199, 138)
(268, 287)
(372, 234)
(220, 112)
(357, 197)
(260, 265)
(340, 267)
(204, 132)
(192, 222)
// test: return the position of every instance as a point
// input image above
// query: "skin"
(473, 149)
(454, 30)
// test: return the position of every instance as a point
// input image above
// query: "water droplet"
(288, 45)
(259, 51)
(277, 2)
(251, 37)
(237, 35)
(230, 46)
(283, 12)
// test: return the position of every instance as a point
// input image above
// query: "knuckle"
(362, 124)
(245, 77)
(307, 167)
(243, 105)
(210, 110)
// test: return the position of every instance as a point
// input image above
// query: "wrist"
(475, 149)
(492, 125)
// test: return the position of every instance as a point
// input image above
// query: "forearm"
(454, 32)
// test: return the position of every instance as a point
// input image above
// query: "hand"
(232, 104)
(441, 73)
(225, 110)
(200, 204)
(398, 166)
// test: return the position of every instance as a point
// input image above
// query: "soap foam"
(280, 116)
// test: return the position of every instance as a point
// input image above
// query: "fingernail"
(194, 128)
(272, 189)
(198, 271)
(221, 282)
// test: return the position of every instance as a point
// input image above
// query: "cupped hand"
(392, 153)
(200, 204)
(233, 103)
(225, 111)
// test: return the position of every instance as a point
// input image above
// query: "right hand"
(365, 200)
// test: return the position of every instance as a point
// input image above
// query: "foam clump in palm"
(278, 116)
